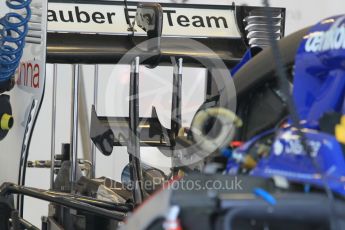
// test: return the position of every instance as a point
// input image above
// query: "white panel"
(110, 19)
(29, 88)
(30, 80)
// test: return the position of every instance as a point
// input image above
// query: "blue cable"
(13, 30)
(259, 192)
(307, 188)
(226, 152)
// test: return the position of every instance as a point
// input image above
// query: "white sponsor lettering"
(333, 39)
(295, 147)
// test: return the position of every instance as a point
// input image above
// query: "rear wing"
(102, 29)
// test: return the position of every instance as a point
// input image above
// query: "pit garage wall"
(299, 15)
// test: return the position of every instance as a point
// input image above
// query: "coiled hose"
(214, 128)
(13, 30)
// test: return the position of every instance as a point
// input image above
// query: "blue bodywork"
(288, 159)
(319, 88)
(319, 84)
(249, 54)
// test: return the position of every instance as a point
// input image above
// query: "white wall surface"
(300, 13)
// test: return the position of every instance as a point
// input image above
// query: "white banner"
(188, 21)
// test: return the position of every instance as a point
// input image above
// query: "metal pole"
(95, 102)
(134, 133)
(176, 108)
(74, 125)
(53, 128)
